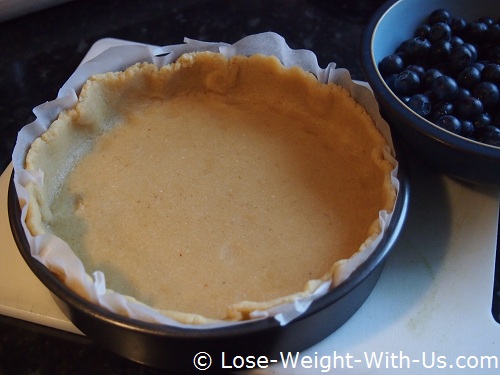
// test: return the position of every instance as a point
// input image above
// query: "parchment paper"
(51, 250)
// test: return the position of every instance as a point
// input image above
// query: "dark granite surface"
(40, 51)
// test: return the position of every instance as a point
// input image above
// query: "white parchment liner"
(50, 250)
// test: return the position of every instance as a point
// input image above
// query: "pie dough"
(211, 187)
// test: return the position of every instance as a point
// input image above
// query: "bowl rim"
(91, 310)
(418, 123)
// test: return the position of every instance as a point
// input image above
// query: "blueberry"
(473, 50)
(422, 31)
(417, 69)
(450, 123)
(489, 135)
(460, 57)
(458, 25)
(467, 128)
(491, 73)
(406, 83)
(488, 21)
(405, 99)
(440, 110)
(440, 31)
(390, 64)
(493, 33)
(421, 104)
(456, 40)
(445, 68)
(429, 77)
(469, 77)
(419, 48)
(481, 121)
(440, 50)
(404, 55)
(389, 80)
(462, 94)
(476, 30)
(479, 66)
(487, 93)
(444, 88)
(439, 15)
(469, 108)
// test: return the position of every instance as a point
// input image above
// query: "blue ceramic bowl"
(454, 155)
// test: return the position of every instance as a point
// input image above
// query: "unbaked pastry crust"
(210, 188)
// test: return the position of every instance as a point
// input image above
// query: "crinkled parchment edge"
(43, 247)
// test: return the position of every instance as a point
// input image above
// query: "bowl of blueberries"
(434, 67)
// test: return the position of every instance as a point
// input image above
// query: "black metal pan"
(176, 349)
